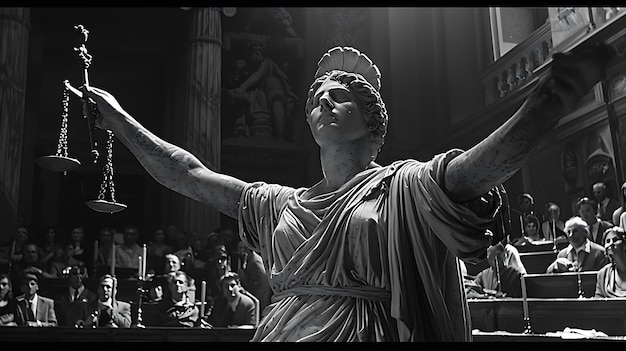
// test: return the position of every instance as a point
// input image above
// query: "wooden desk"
(154, 334)
(561, 284)
(549, 315)
(537, 262)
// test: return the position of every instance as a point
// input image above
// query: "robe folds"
(375, 260)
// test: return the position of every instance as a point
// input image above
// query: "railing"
(516, 68)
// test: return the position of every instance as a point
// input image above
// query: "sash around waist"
(363, 292)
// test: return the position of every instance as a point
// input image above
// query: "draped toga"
(375, 260)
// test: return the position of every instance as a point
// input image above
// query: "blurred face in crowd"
(495, 256)
(106, 236)
(588, 213)
(178, 286)
(159, 235)
(615, 247)
(78, 234)
(21, 235)
(30, 287)
(51, 234)
(76, 278)
(172, 263)
(576, 234)
(230, 289)
(130, 236)
(531, 229)
(30, 253)
(524, 204)
(5, 287)
(105, 290)
(599, 192)
(554, 212)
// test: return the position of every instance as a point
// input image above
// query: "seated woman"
(177, 309)
(8, 304)
(611, 281)
(502, 277)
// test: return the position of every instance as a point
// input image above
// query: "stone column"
(202, 111)
(14, 30)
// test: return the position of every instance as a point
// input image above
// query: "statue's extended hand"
(108, 107)
(570, 78)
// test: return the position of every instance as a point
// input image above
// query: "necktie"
(75, 295)
(29, 311)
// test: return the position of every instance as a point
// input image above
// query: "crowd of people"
(171, 267)
(591, 240)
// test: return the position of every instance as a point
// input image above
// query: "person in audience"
(617, 214)
(107, 311)
(157, 249)
(12, 253)
(525, 204)
(502, 277)
(177, 308)
(183, 249)
(606, 205)
(531, 232)
(34, 310)
(159, 283)
(81, 251)
(48, 246)
(8, 304)
(611, 279)
(127, 254)
(230, 240)
(30, 261)
(252, 275)
(553, 227)
(581, 254)
(64, 260)
(105, 247)
(216, 267)
(75, 298)
(587, 209)
(232, 308)
(531, 228)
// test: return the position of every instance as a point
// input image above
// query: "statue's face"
(335, 115)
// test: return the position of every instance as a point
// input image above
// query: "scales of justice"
(61, 161)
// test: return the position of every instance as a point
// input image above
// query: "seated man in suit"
(75, 298)
(501, 278)
(581, 254)
(106, 311)
(34, 310)
(232, 308)
(177, 309)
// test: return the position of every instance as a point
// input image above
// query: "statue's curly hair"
(369, 100)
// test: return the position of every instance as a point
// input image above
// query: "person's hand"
(17, 258)
(570, 78)
(109, 110)
(562, 265)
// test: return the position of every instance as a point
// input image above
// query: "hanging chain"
(107, 171)
(62, 145)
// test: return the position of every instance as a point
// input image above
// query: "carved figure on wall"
(259, 96)
(569, 166)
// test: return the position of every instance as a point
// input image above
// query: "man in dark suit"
(233, 307)
(106, 311)
(581, 254)
(73, 301)
(34, 310)
(606, 205)
(587, 210)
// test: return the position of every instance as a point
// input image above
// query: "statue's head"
(358, 73)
